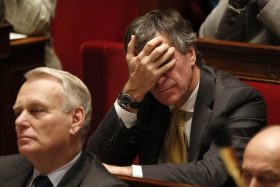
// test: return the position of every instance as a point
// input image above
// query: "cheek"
(183, 80)
(55, 126)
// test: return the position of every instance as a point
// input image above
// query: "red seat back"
(76, 21)
(271, 93)
(105, 74)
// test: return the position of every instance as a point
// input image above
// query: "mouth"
(161, 91)
(24, 138)
(22, 141)
(164, 87)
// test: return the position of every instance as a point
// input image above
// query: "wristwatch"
(125, 101)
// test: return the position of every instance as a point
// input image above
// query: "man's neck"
(192, 87)
(57, 175)
(49, 162)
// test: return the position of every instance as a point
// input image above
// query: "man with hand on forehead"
(169, 104)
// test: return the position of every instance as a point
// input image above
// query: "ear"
(192, 56)
(78, 118)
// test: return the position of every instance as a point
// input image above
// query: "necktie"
(42, 181)
(176, 142)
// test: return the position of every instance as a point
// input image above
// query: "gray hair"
(76, 92)
(178, 29)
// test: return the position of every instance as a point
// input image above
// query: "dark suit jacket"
(221, 100)
(15, 171)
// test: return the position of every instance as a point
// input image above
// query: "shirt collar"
(56, 176)
(188, 106)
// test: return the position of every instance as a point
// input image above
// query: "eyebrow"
(33, 103)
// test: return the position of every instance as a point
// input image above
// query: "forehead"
(261, 160)
(43, 89)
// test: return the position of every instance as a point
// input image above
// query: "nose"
(22, 120)
(161, 79)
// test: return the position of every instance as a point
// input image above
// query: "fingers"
(165, 67)
(165, 57)
(131, 48)
(158, 52)
(150, 46)
(119, 170)
(160, 56)
(154, 49)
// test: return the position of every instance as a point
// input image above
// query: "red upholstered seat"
(76, 21)
(271, 94)
(105, 73)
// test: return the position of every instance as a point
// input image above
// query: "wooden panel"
(139, 182)
(247, 61)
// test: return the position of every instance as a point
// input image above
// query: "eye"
(36, 111)
(17, 113)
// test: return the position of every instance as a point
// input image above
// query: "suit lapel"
(77, 172)
(202, 113)
(88, 171)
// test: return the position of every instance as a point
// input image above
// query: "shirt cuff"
(128, 118)
(137, 171)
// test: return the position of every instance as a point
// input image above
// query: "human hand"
(119, 170)
(148, 66)
(238, 4)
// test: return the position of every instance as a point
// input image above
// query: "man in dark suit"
(53, 113)
(165, 73)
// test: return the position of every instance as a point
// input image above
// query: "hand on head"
(148, 66)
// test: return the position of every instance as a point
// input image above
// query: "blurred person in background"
(254, 21)
(33, 17)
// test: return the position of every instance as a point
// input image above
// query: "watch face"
(125, 100)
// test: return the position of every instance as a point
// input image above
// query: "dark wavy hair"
(179, 30)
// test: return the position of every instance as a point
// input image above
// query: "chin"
(27, 149)
(169, 97)
(169, 100)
